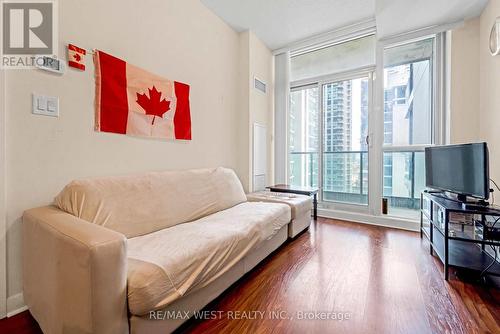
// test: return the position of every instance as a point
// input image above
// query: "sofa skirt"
(168, 319)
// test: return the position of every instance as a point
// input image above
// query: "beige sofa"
(114, 255)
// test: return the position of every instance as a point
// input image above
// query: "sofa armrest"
(75, 273)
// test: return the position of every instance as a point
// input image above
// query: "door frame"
(349, 75)
(367, 71)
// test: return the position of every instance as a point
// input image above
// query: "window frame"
(438, 121)
(362, 72)
(376, 145)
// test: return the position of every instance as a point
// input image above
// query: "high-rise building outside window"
(345, 155)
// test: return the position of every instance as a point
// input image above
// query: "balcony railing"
(296, 173)
(345, 176)
(339, 181)
(345, 172)
(409, 175)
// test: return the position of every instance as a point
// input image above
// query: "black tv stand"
(464, 200)
(457, 245)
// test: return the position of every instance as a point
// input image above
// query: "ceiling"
(417, 14)
(281, 22)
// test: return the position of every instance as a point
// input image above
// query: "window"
(400, 94)
(329, 122)
(303, 136)
(408, 122)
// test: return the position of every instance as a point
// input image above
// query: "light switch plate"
(45, 105)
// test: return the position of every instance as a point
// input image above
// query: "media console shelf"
(457, 245)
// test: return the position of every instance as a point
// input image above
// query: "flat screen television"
(459, 169)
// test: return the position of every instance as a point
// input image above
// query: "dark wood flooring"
(383, 279)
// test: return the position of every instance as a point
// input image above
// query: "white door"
(259, 177)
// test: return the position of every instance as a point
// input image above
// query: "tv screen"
(460, 169)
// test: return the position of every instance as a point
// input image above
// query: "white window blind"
(409, 52)
(353, 54)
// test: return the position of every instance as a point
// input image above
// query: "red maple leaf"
(153, 105)
(77, 57)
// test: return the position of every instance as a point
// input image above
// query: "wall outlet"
(45, 105)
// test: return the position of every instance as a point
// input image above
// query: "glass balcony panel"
(404, 180)
(345, 177)
(303, 169)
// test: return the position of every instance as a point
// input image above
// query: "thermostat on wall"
(50, 64)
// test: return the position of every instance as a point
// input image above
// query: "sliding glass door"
(345, 105)
(328, 138)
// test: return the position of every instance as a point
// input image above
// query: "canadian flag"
(76, 57)
(130, 100)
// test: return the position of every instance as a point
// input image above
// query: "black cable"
(492, 192)
(496, 185)
(494, 248)
(494, 223)
(491, 264)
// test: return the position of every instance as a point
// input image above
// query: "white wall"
(244, 129)
(489, 89)
(464, 87)
(257, 61)
(180, 40)
(262, 104)
(475, 85)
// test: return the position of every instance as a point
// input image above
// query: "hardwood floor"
(383, 279)
(22, 323)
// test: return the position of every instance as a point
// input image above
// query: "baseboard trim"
(392, 222)
(15, 305)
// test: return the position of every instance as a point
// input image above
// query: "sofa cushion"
(141, 204)
(168, 264)
(298, 203)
